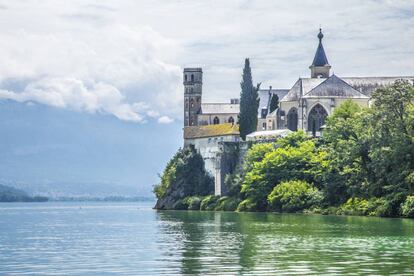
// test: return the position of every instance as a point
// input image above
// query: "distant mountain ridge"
(10, 194)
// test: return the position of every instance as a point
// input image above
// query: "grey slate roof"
(364, 85)
(301, 87)
(264, 97)
(367, 85)
(334, 87)
(219, 108)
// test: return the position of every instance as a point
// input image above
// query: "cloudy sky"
(121, 61)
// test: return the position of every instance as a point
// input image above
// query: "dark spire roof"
(320, 57)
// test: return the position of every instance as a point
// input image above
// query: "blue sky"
(98, 83)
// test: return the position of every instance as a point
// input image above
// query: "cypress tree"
(249, 102)
(274, 103)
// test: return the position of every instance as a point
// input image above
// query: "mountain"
(56, 152)
(10, 194)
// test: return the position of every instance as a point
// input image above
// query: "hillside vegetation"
(10, 194)
(363, 165)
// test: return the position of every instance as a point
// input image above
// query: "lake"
(85, 238)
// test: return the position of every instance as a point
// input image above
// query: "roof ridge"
(333, 76)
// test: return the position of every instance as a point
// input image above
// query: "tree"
(274, 103)
(249, 102)
(185, 175)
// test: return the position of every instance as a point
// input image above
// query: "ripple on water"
(125, 239)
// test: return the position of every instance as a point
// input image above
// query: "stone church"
(304, 106)
(212, 127)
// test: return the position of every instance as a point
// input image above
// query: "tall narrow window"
(192, 77)
(292, 119)
(185, 78)
(316, 118)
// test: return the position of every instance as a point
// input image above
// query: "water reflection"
(263, 243)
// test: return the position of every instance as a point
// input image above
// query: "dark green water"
(132, 239)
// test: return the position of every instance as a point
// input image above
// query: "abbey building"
(212, 127)
(304, 106)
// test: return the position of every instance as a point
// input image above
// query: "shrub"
(209, 203)
(292, 196)
(226, 204)
(354, 206)
(391, 206)
(407, 208)
(247, 205)
(193, 202)
(180, 205)
(364, 207)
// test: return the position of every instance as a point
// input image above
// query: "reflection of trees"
(187, 228)
(248, 241)
(253, 243)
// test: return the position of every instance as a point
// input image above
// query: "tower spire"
(320, 66)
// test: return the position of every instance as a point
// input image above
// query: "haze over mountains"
(55, 152)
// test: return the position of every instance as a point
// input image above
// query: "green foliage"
(407, 208)
(209, 203)
(365, 207)
(293, 196)
(363, 164)
(295, 159)
(193, 202)
(227, 204)
(274, 103)
(247, 205)
(180, 204)
(185, 173)
(249, 102)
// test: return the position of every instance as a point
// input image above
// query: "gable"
(334, 87)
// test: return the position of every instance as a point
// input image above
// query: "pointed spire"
(320, 65)
(320, 56)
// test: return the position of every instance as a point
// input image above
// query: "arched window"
(216, 120)
(292, 119)
(192, 103)
(231, 120)
(192, 77)
(316, 118)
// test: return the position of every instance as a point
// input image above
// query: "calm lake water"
(132, 239)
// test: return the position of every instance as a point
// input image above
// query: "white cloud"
(165, 120)
(125, 57)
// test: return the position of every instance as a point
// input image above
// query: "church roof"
(334, 87)
(320, 56)
(367, 85)
(301, 87)
(219, 108)
(192, 132)
(264, 96)
(363, 85)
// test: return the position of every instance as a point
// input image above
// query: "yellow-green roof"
(192, 132)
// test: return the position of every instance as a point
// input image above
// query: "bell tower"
(320, 66)
(193, 84)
